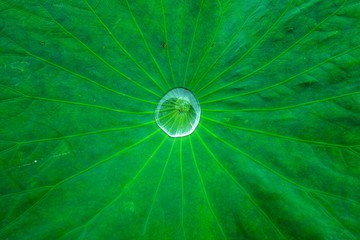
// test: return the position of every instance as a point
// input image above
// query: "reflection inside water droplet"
(178, 112)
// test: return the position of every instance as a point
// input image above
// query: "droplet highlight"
(178, 113)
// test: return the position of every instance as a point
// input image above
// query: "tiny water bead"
(178, 112)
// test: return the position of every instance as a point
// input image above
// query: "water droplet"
(178, 112)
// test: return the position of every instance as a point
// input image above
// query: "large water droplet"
(178, 112)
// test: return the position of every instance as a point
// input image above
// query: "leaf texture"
(276, 154)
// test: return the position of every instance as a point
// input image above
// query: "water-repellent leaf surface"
(276, 154)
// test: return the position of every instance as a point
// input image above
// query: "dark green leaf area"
(275, 154)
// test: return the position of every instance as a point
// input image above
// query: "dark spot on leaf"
(307, 84)
(289, 30)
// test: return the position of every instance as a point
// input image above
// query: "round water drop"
(178, 112)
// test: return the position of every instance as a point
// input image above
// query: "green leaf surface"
(276, 154)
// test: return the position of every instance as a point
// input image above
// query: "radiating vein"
(354, 151)
(147, 45)
(295, 184)
(4, 87)
(277, 57)
(99, 57)
(167, 42)
(79, 75)
(182, 187)
(85, 133)
(275, 135)
(122, 48)
(14, 145)
(192, 42)
(14, 99)
(204, 190)
(157, 188)
(208, 47)
(26, 198)
(282, 108)
(26, 191)
(326, 211)
(122, 192)
(252, 158)
(326, 194)
(86, 105)
(225, 49)
(275, 23)
(276, 84)
(238, 184)
(54, 187)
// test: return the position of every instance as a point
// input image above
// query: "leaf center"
(178, 112)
